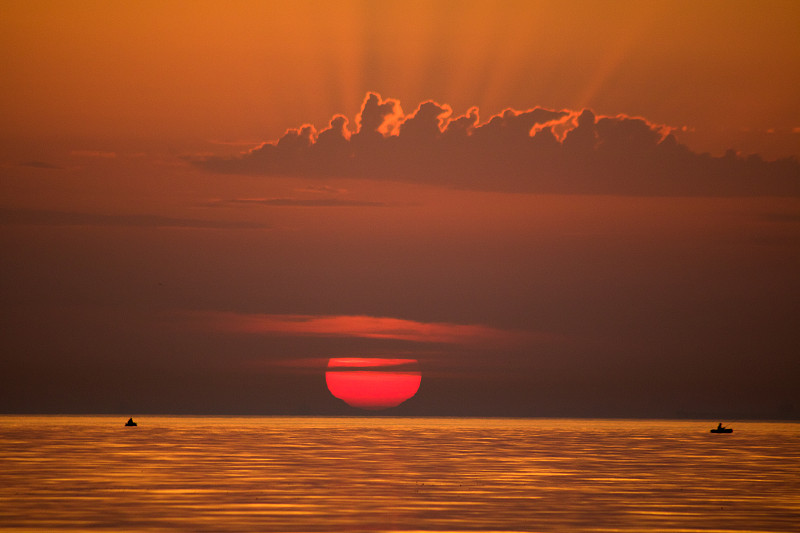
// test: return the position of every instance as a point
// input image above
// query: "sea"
(310, 474)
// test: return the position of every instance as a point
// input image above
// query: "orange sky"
(601, 268)
(237, 71)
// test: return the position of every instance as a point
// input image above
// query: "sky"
(549, 208)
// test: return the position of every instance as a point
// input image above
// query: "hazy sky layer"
(202, 203)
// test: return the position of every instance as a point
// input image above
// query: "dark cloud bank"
(536, 151)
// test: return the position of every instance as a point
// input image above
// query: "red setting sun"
(386, 383)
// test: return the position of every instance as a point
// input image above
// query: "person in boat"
(130, 422)
(720, 426)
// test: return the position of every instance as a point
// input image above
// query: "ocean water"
(82, 473)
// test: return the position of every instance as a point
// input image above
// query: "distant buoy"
(130, 422)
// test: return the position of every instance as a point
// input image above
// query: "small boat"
(721, 429)
(130, 422)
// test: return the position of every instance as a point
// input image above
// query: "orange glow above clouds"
(245, 71)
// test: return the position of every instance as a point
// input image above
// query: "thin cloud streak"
(43, 217)
(533, 151)
(363, 326)
(305, 202)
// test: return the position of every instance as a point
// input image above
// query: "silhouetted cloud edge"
(40, 165)
(533, 151)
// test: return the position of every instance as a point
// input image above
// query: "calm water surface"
(396, 474)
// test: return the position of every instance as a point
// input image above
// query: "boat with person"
(721, 429)
(130, 422)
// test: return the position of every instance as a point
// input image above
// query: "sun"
(373, 383)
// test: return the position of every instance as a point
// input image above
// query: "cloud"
(382, 363)
(42, 217)
(41, 164)
(363, 326)
(536, 150)
(304, 202)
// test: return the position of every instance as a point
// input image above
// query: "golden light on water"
(395, 474)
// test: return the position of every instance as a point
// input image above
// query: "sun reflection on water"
(398, 474)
